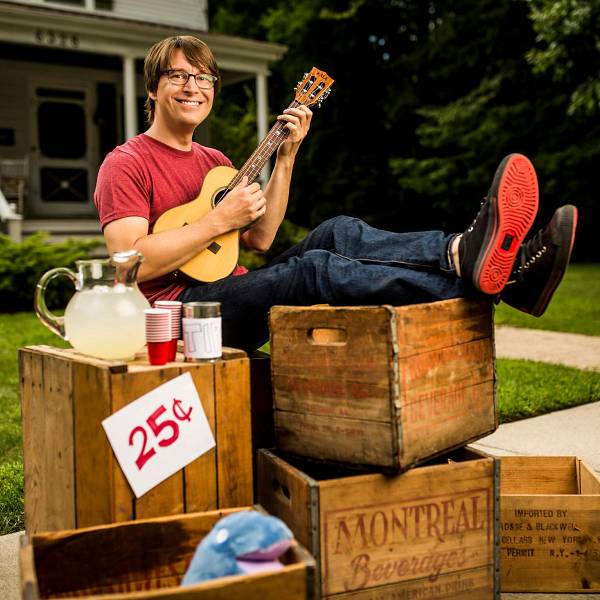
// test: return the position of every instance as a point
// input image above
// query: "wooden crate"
(428, 533)
(72, 478)
(550, 525)
(127, 560)
(382, 385)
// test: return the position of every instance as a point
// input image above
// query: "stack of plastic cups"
(175, 307)
(158, 335)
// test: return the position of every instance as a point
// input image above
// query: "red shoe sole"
(516, 208)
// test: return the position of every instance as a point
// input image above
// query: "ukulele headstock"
(314, 87)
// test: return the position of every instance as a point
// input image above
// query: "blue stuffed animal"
(243, 542)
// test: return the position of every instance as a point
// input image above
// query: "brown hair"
(158, 60)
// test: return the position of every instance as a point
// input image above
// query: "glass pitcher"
(105, 317)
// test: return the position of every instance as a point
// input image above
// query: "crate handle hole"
(328, 336)
(282, 491)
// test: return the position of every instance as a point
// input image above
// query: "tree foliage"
(428, 98)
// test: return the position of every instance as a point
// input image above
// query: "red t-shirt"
(143, 178)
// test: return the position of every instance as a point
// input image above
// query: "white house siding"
(191, 14)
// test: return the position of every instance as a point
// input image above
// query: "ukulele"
(220, 258)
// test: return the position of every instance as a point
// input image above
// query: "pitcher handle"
(50, 320)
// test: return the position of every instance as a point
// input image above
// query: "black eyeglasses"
(204, 81)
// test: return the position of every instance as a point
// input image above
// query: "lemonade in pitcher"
(105, 317)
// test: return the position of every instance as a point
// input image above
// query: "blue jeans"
(343, 261)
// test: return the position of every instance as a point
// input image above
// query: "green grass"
(527, 388)
(575, 306)
(16, 330)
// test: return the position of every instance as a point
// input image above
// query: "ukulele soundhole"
(219, 196)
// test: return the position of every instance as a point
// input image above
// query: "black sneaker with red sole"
(488, 248)
(541, 264)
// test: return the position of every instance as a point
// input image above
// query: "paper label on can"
(202, 337)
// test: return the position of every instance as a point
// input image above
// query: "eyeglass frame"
(206, 77)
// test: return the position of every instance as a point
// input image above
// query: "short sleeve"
(123, 189)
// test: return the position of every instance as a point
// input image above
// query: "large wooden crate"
(428, 533)
(139, 559)
(382, 385)
(72, 478)
(550, 525)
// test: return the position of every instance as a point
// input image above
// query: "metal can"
(202, 338)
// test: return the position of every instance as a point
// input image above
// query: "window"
(61, 128)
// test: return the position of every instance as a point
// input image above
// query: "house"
(72, 89)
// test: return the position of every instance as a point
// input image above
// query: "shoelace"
(470, 228)
(535, 248)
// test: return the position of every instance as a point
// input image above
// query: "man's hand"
(297, 123)
(243, 205)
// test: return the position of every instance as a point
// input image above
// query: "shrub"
(23, 263)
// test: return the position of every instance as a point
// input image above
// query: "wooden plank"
(200, 476)
(94, 458)
(29, 585)
(167, 497)
(550, 543)
(233, 430)
(313, 376)
(32, 416)
(333, 438)
(438, 421)
(472, 584)
(56, 446)
(436, 325)
(538, 475)
(589, 482)
(114, 366)
(424, 523)
(285, 492)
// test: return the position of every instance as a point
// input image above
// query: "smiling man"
(343, 260)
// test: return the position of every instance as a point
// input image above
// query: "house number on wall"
(56, 38)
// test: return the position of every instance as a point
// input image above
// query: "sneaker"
(488, 248)
(541, 264)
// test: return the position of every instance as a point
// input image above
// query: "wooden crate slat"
(358, 441)
(94, 457)
(441, 325)
(233, 427)
(198, 495)
(539, 475)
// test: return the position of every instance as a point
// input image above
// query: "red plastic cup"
(173, 350)
(158, 352)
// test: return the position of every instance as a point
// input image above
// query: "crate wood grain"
(430, 532)
(129, 560)
(550, 529)
(72, 478)
(381, 385)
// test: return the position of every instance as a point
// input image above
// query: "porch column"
(130, 97)
(262, 113)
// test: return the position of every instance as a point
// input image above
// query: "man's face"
(181, 107)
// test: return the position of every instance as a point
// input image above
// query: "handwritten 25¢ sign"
(159, 433)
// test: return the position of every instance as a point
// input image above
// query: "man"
(344, 260)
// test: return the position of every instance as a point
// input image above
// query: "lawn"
(525, 388)
(575, 306)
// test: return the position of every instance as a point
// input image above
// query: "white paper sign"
(159, 433)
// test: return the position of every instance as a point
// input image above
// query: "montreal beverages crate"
(430, 532)
(550, 525)
(139, 559)
(381, 385)
(72, 478)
